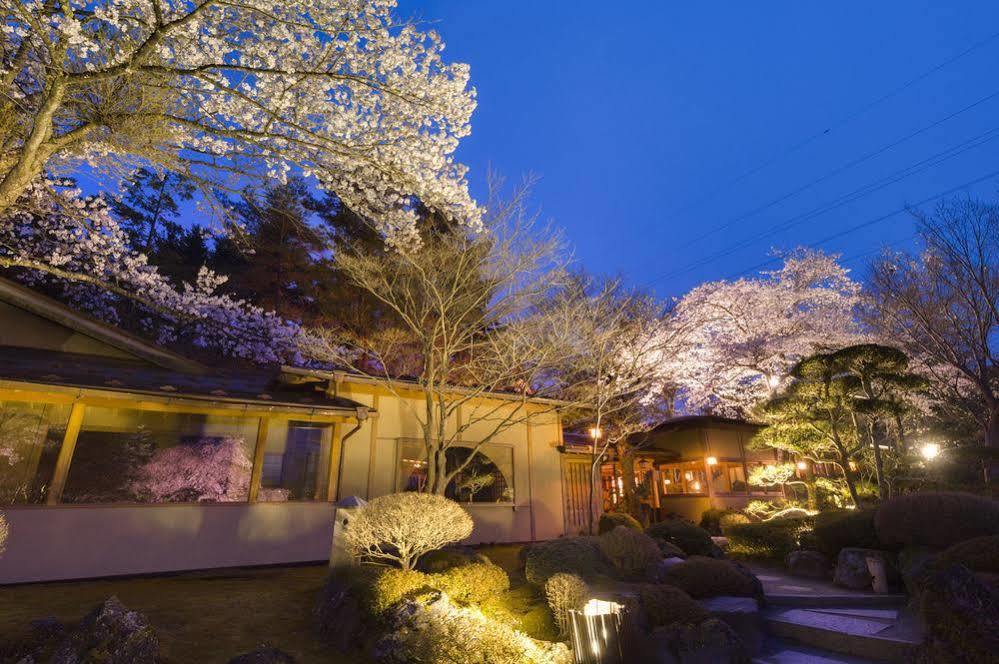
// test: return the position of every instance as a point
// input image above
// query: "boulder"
(961, 617)
(659, 573)
(808, 564)
(339, 614)
(742, 614)
(708, 642)
(263, 655)
(852, 571)
(110, 634)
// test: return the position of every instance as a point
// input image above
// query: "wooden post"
(65, 457)
(258, 459)
(530, 478)
(371, 449)
(336, 451)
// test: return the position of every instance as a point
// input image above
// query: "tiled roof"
(251, 386)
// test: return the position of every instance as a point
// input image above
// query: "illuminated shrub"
(394, 585)
(575, 555)
(689, 538)
(936, 519)
(436, 630)
(708, 577)
(767, 539)
(472, 584)
(665, 605)
(711, 519)
(565, 592)
(611, 520)
(733, 519)
(401, 527)
(633, 554)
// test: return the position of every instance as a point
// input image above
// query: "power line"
(843, 121)
(838, 170)
(876, 220)
(842, 200)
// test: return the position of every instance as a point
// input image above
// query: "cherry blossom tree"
(745, 335)
(57, 233)
(337, 90)
(209, 470)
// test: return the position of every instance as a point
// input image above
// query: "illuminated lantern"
(802, 465)
(596, 633)
(712, 461)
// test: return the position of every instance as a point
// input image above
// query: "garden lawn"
(210, 617)
(203, 617)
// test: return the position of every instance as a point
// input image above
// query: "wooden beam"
(371, 450)
(530, 478)
(333, 470)
(258, 458)
(65, 457)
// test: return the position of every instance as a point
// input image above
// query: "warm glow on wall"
(712, 461)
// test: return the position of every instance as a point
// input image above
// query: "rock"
(961, 617)
(808, 564)
(757, 584)
(707, 642)
(913, 563)
(716, 551)
(742, 614)
(670, 550)
(659, 573)
(263, 655)
(851, 568)
(110, 634)
(338, 613)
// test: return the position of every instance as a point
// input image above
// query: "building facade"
(119, 457)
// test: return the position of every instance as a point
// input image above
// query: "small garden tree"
(401, 527)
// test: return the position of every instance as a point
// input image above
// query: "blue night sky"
(638, 116)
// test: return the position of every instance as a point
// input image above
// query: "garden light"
(930, 451)
(595, 433)
(596, 633)
(802, 465)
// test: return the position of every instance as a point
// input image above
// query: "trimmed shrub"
(961, 616)
(665, 605)
(767, 539)
(711, 519)
(632, 554)
(845, 528)
(611, 520)
(565, 592)
(936, 519)
(689, 538)
(669, 550)
(575, 555)
(733, 519)
(394, 585)
(473, 583)
(445, 559)
(788, 513)
(401, 527)
(980, 554)
(764, 509)
(709, 577)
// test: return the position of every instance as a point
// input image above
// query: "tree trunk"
(811, 491)
(628, 484)
(32, 160)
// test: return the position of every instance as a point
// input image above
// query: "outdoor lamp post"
(596, 633)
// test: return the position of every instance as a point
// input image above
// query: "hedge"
(712, 517)
(839, 529)
(709, 577)
(689, 538)
(611, 520)
(980, 554)
(768, 539)
(665, 605)
(936, 519)
(574, 555)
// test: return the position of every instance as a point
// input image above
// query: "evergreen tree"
(149, 207)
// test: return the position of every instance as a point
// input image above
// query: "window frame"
(511, 481)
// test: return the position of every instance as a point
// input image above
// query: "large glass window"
(128, 455)
(683, 478)
(296, 461)
(30, 437)
(484, 475)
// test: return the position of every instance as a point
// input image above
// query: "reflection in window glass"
(682, 478)
(127, 455)
(296, 462)
(30, 437)
(483, 476)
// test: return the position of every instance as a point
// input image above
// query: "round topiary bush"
(709, 577)
(980, 554)
(692, 540)
(392, 586)
(401, 527)
(840, 529)
(611, 520)
(936, 519)
(711, 519)
(473, 583)
(574, 555)
(665, 605)
(733, 519)
(633, 554)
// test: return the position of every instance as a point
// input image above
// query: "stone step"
(841, 631)
(889, 600)
(787, 653)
